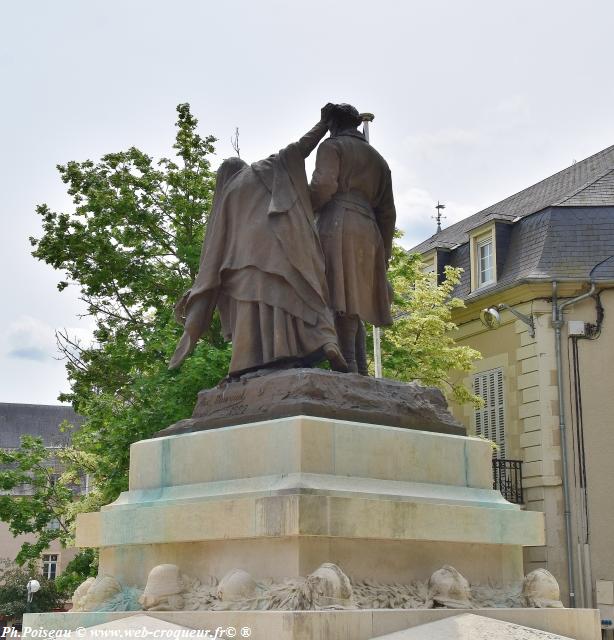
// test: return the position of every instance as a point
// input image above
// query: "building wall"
(10, 545)
(595, 550)
(533, 436)
(531, 417)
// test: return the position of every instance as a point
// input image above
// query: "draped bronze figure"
(263, 268)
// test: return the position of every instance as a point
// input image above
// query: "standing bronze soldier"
(351, 191)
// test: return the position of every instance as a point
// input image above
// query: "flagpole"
(377, 348)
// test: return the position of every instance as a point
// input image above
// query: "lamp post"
(32, 587)
(377, 339)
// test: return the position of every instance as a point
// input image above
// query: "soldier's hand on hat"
(326, 110)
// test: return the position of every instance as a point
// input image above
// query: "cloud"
(27, 345)
(29, 338)
(511, 111)
(416, 214)
(427, 143)
(29, 353)
(415, 206)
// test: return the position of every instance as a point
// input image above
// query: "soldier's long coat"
(351, 191)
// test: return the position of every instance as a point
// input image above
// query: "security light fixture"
(32, 587)
(492, 320)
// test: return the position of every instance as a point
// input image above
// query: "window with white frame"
(50, 565)
(485, 261)
(53, 525)
(490, 419)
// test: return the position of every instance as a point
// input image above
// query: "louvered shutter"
(490, 419)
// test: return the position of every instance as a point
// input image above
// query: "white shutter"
(490, 419)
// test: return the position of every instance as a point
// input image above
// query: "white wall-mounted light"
(491, 318)
(32, 587)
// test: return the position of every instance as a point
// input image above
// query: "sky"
(473, 101)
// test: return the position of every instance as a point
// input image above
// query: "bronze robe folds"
(262, 264)
(351, 191)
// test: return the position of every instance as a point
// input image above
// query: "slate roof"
(589, 182)
(556, 243)
(34, 419)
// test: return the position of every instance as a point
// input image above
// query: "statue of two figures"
(296, 267)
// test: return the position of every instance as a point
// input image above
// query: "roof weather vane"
(439, 216)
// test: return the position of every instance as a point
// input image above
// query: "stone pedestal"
(279, 498)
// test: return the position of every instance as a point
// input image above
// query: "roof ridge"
(515, 199)
(583, 187)
(36, 404)
(532, 186)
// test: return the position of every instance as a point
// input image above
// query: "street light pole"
(377, 341)
(32, 587)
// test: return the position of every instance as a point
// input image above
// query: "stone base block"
(579, 624)
(384, 561)
(279, 498)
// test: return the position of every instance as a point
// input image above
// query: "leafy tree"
(84, 565)
(41, 493)
(29, 471)
(13, 591)
(420, 344)
(131, 246)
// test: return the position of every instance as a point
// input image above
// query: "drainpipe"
(557, 323)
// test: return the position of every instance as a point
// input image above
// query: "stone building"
(17, 420)
(524, 257)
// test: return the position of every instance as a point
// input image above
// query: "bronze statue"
(263, 268)
(351, 192)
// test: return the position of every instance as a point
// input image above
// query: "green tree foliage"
(83, 566)
(420, 345)
(44, 493)
(131, 246)
(41, 507)
(13, 591)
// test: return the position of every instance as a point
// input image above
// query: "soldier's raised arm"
(310, 140)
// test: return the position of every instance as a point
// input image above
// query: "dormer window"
(486, 266)
(429, 262)
(483, 256)
(435, 261)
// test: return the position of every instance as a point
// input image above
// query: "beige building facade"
(52, 562)
(17, 420)
(531, 431)
(561, 231)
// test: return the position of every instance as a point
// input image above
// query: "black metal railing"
(507, 478)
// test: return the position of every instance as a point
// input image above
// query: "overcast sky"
(474, 100)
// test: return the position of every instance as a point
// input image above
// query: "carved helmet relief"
(237, 585)
(448, 588)
(541, 590)
(326, 587)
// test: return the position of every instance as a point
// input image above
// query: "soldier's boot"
(361, 349)
(347, 326)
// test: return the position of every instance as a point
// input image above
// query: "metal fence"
(507, 478)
